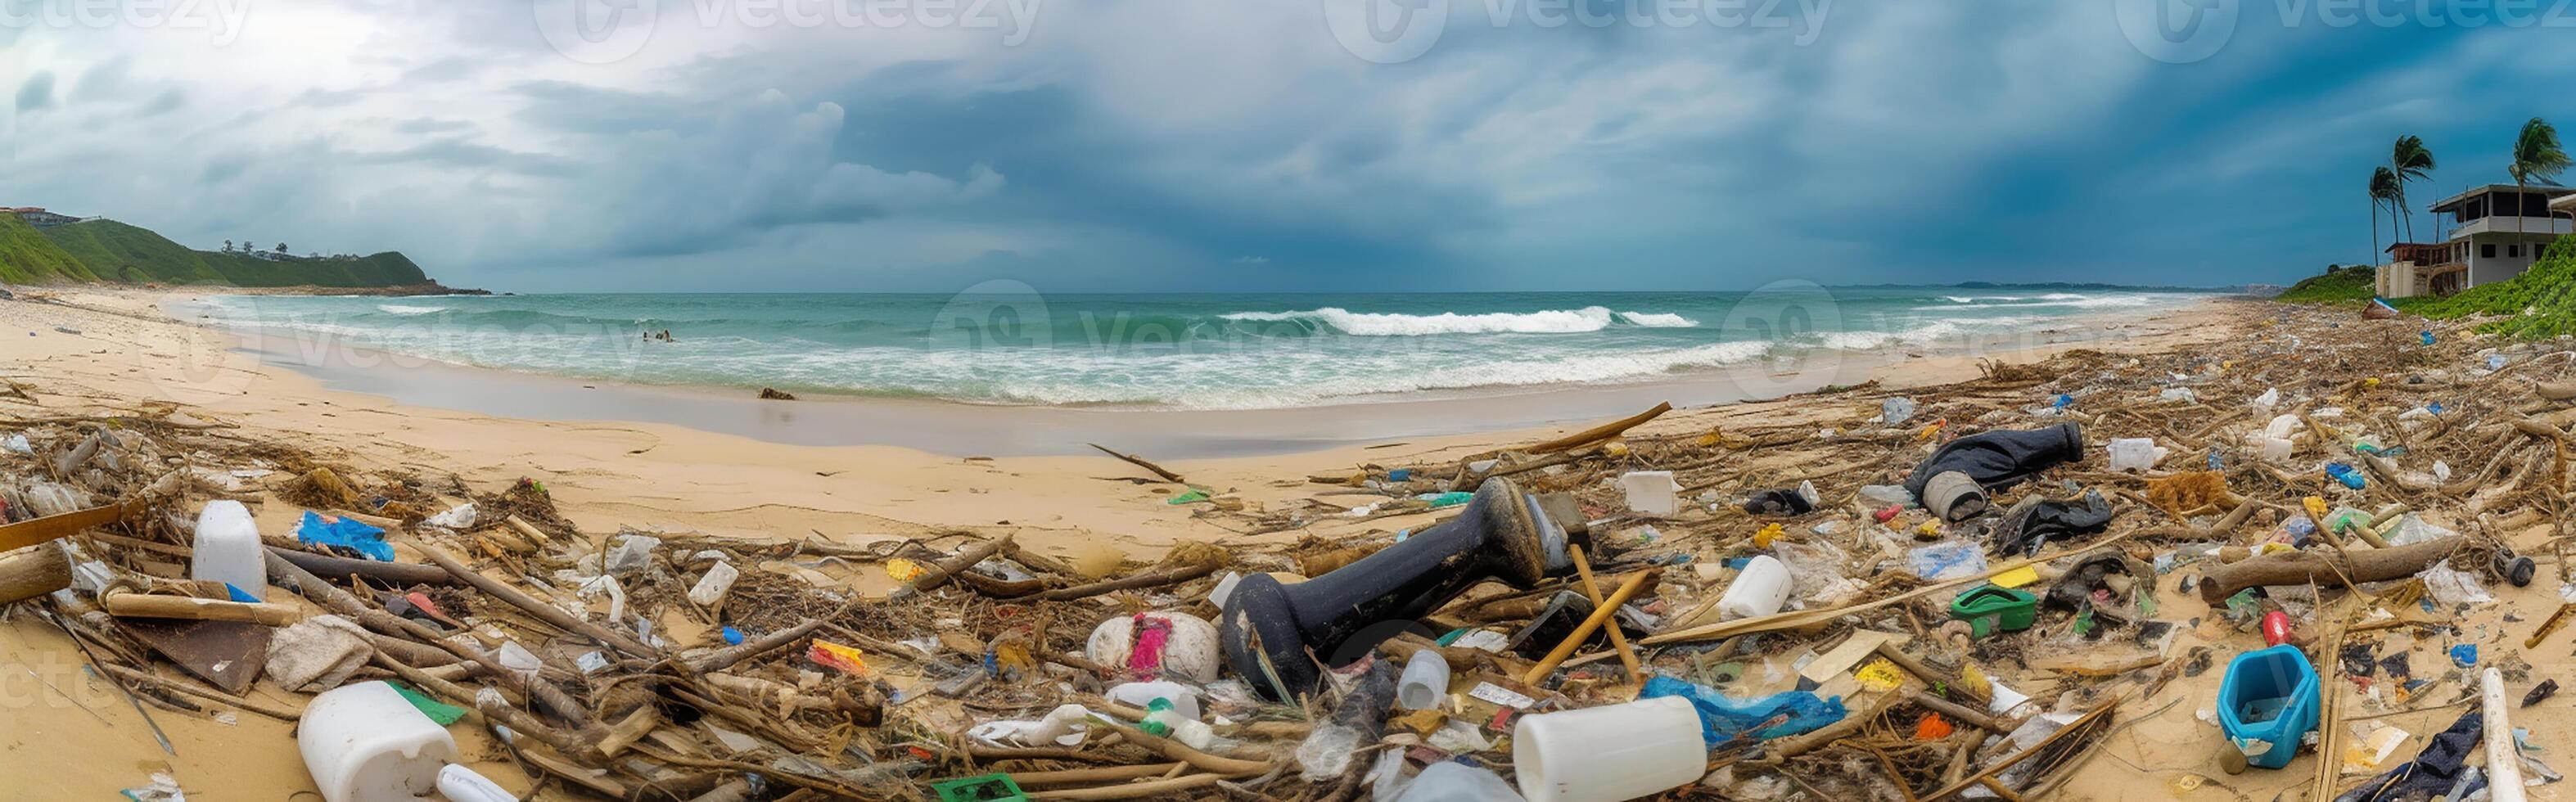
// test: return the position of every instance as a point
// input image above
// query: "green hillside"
(2539, 304)
(2355, 283)
(27, 257)
(106, 250)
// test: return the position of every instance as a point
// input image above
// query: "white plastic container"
(228, 549)
(1759, 589)
(1651, 492)
(1425, 681)
(2281, 426)
(712, 587)
(2274, 449)
(365, 743)
(1606, 754)
(2135, 453)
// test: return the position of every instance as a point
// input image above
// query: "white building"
(38, 217)
(2496, 231)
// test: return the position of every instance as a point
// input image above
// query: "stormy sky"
(1328, 145)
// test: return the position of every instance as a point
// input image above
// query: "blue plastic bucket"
(2267, 704)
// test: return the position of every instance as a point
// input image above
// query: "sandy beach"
(606, 475)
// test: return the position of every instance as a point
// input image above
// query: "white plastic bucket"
(228, 549)
(365, 743)
(1606, 754)
(1759, 590)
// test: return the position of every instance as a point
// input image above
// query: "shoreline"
(961, 428)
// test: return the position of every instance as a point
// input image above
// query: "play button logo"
(1386, 31)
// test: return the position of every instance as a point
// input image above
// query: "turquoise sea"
(1003, 344)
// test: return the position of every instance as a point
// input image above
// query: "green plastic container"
(981, 788)
(1991, 609)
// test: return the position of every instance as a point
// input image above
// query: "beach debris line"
(1821, 599)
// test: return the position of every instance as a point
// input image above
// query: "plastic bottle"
(461, 784)
(2135, 453)
(1424, 682)
(1758, 590)
(1162, 720)
(227, 548)
(365, 742)
(1183, 699)
(1614, 752)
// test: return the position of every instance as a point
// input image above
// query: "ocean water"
(1003, 344)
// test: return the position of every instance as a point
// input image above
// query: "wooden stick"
(400, 574)
(1182, 752)
(1958, 712)
(128, 604)
(1602, 432)
(218, 697)
(531, 605)
(1149, 579)
(1583, 631)
(292, 577)
(1031, 779)
(1140, 462)
(1806, 618)
(2323, 569)
(2080, 724)
(1156, 789)
(1924, 672)
(940, 572)
(1618, 639)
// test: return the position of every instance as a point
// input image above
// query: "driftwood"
(398, 574)
(1583, 632)
(128, 604)
(2323, 568)
(1140, 462)
(541, 610)
(331, 597)
(1599, 433)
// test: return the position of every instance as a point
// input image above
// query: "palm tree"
(228, 244)
(2411, 161)
(2536, 155)
(2383, 190)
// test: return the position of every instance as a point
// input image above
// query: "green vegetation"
(109, 251)
(2355, 283)
(2539, 304)
(27, 257)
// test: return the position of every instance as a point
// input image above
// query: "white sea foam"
(1386, 324)
(405, 309)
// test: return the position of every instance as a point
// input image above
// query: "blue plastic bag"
(344, 534)
(1723, 718)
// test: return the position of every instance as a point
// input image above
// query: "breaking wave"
(1553, 321)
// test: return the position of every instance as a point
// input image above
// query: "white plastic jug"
(1650, 492)
(461, 784)
(1759, 589)
(366, 743)
(228, 549)
(1425, 681)
(1606, 754)
(2135, 453)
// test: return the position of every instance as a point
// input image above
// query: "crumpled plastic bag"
(2449, 586)
(318, 653)
(344, 535)
(1946, 560)
(1723, 718)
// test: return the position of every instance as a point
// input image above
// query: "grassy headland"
(112, 252)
